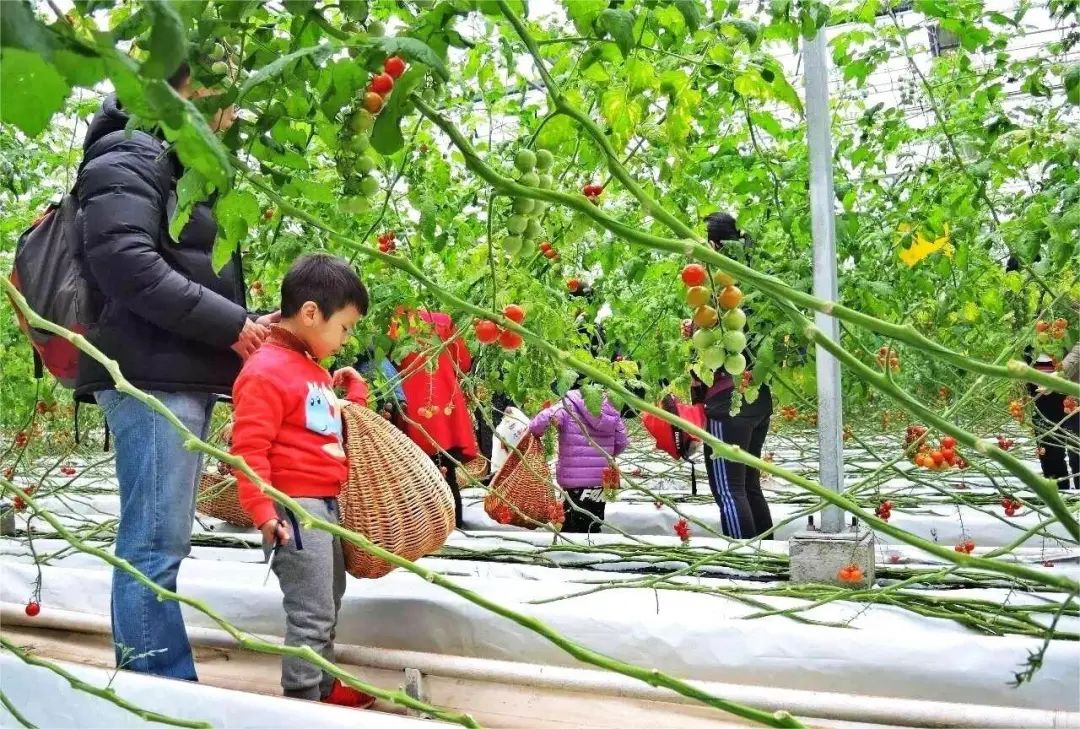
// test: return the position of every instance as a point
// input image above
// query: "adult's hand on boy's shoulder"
(275, 529)
(267, 320)
(251, 336)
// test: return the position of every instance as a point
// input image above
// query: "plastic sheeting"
(26, 686)
(882, 651)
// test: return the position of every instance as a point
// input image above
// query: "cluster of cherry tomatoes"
(850, 573)
(682, 530)
(547, 251)
(1004, 443)
(1016, 409)
(937, 459)
(1011, 506)
(884, 510)
(611, 479)
(381, 85)
(388, 242)
(888, 358)
(965, 547)
(488, 332)
(725, 347)
(592, 192)
(789, 413)
(1045, 330)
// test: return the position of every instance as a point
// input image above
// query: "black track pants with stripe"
(744, 513)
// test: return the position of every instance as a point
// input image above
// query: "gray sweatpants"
(311, 572)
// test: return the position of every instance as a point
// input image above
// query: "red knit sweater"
(288, 425)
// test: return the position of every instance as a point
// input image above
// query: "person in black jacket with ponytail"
(178, 330)
(744, 512)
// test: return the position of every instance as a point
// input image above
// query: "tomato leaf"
(690, 12)
(749, 29)
(414, 50)
(235, 212)
(168, 46)
(386, 136)
(20, 29)
(318, 53)
(32, 90)
(1072, 84)
(619, 24)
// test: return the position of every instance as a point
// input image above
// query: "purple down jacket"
(581, 464)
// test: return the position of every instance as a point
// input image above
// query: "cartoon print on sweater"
(322, 414)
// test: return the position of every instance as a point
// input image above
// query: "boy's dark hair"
(327, 280)
(722, 227)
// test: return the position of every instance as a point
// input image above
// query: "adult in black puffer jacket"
(178, 331)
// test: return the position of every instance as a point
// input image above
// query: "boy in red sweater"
(288, 429)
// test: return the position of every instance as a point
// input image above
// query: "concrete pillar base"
(817, 557)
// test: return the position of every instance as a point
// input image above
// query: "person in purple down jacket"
(587, 445)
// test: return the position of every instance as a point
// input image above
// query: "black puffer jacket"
(167, 318)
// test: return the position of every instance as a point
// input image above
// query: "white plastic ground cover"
(884, 651)
(48, 700)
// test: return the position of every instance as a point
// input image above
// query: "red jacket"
(434, 401)
(287, 425)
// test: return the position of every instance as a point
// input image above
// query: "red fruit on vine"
(514, 313)
(694, 274)
(850, 573)
(394, 66)
(592, 191)
(1041, 326)
(9, 473)
(382, 84)
(1060, 324)
(1070, 404)
(682, 530)
(18, 504)
(551, 254)
(68, 471)
(509, 339)
(268, 214)
(610, 478)
(965, 547)
(41, 407)
(1004, 443)
(949, 455)
(573, 285)
(487, 332)
(32, 609)
(544, 245)
(373, 102)
(948, 442)
(21, 439)
(938, 457)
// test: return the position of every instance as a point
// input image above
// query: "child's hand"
(344, 377)
(275, 529)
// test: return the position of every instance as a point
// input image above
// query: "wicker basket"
(472, 471)
(522, 493)
(217, 498)
(395, 495)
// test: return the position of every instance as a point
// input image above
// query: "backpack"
(49, 273)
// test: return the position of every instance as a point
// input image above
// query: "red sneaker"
(342, 695)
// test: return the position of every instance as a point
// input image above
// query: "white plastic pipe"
(807, 704)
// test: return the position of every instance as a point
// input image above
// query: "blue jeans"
(157, 505)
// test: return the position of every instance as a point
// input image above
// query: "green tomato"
(369, 186)
(217, 53)
(512, 245)
(529, 178)
(734, 341)
(734, 320)
(355, 205)
(735, 364)
(533, 229)
(539, 206)
(360, 143)
(219, 67)
(523, 206)
(365, 165)
(703, 339)
(545, 181)
(516, 224)
(544, 160)
(712, 357)
(525, 160)
(376, 29)
(361, 121)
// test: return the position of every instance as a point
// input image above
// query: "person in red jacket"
(437, 414)
(287, 427)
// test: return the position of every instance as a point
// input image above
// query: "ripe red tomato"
(394, 66)
(486, 331)
(573, 284)
(948, 442)
(694, 274)
(1041, 326)
(1060, 323)
(949, 455)
(514, 313)
(32, 608)
(938, 457)
(382, 84)
(373, 102)
(509, 339)
(544, 245)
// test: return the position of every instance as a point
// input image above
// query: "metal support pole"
(819, 143)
